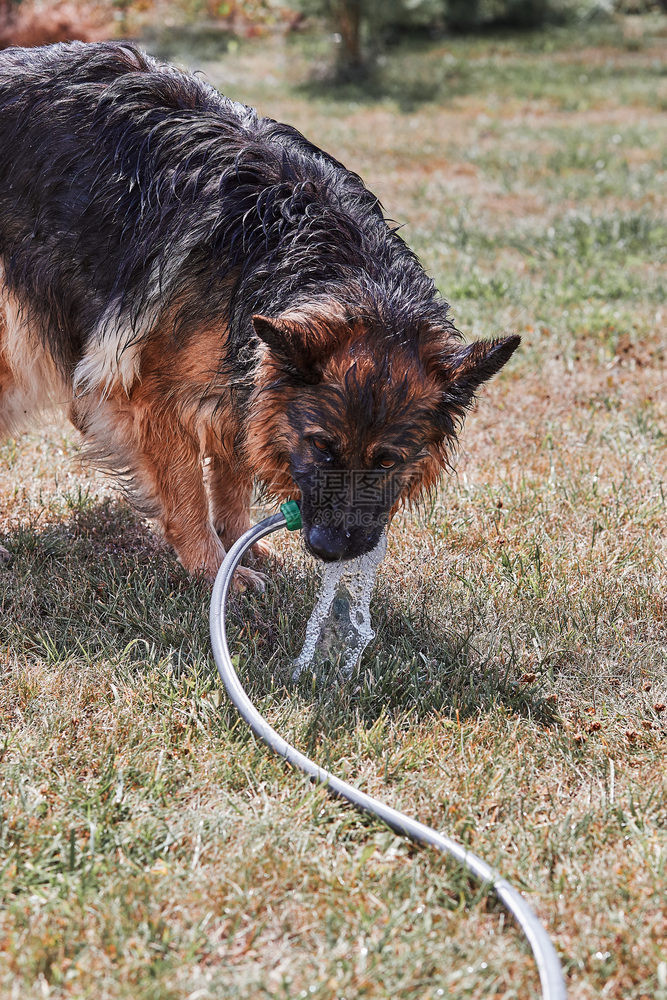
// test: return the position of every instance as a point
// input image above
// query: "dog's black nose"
(325, 543)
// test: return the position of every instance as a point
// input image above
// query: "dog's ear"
(301, 347)
(464, 369)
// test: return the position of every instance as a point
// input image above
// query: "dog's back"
(121, 170)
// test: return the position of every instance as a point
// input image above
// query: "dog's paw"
(262, 552)
(248, 579)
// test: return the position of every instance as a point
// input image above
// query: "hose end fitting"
(292, 514)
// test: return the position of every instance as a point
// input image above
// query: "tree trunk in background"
(347, 14)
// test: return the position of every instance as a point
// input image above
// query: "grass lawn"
(515, 693)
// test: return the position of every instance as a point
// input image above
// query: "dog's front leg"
(229, 485)
(163, 460)
(167, 470)
(172, 457)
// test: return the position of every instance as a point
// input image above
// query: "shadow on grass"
(408, 90)
(96, 585)
(416, 668)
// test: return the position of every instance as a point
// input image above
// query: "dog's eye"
(387, 462)
(321, 445)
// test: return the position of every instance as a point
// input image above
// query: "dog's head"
(358, 418)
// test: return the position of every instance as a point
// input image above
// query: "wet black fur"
(114, 166)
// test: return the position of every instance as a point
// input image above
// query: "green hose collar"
(292, 514)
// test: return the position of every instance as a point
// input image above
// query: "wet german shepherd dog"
(218, 303)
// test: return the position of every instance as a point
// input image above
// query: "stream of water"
(339, 627)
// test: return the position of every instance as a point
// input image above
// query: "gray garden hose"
(548, 964)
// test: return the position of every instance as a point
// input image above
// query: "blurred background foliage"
(359, 29)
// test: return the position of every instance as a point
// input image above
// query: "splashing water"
(340, 624)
